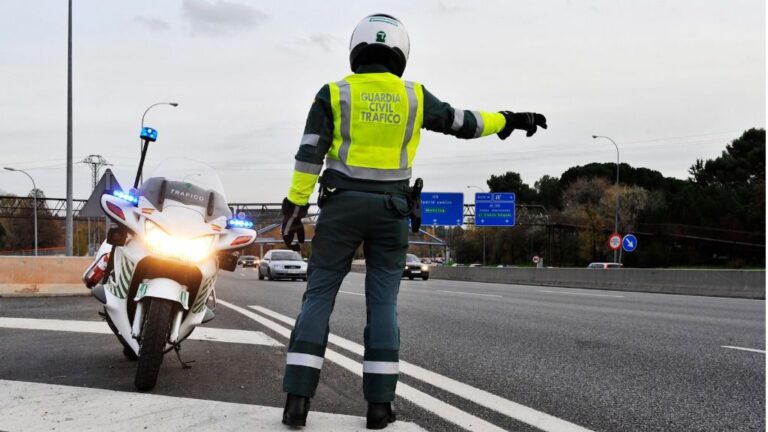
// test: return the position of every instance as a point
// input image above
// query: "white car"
(282, 264)
(604, 265)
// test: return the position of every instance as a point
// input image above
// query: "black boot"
(379, 415)
(296, 410)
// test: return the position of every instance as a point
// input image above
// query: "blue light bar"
(126, 196)
(239, 223)
(149, 134)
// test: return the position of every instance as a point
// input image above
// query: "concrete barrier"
(717, 283)
(42, 276)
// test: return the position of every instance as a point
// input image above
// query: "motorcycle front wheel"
(154, 334)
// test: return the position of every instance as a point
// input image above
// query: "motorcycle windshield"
(188, 183)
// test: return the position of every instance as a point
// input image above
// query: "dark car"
(249, 261)
(414, 268)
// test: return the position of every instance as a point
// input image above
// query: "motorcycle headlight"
(162, 243)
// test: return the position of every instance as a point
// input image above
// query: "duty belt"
(332, 185)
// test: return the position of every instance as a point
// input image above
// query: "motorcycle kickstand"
(185, 365)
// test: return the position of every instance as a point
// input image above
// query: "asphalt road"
(488, 355)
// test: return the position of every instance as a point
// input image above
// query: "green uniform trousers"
(347, 219)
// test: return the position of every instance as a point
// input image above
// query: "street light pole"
(34, 200)
(69, 223)
(616, 222)
(481, 229)
(173, 104)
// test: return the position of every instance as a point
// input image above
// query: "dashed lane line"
(582, 294)
(744, 349)
(430, 403)
(353, 293)
(26, 406)
(100, 327)
(506, 407)
(468, 293)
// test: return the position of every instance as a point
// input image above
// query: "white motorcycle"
(155, 273)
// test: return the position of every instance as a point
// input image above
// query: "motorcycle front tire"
(154, 334)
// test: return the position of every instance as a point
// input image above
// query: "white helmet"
(382, 36)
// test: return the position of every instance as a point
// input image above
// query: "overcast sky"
(670, 81)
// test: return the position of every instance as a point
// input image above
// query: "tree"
(742, 161)
(632, 201)
(512, 182)
(20, 229)
(738, 176)
(549, 192)
(585, 202)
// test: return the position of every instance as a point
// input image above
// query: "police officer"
(366, 128)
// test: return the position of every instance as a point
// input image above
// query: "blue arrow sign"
(495, 209)
(442, 208)
(629, 244)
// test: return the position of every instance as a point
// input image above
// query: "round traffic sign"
(614, 241)
(629, 243)
(535, 259)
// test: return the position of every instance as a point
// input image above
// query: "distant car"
(414, 268)
(282, 264)
(249, 261)
(605, 265)
(475, 265)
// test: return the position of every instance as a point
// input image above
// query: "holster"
(414, 198)
(322, 196)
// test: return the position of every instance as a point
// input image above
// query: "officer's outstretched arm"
(442, 117)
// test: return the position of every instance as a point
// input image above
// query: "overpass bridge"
(266, 217)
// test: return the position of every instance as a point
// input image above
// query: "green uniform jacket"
(318, 133)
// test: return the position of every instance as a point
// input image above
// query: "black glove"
(524, 121)
(292, 215)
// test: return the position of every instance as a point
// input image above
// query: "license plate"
(415, 271)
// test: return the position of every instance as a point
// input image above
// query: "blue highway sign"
(495, 209)
(442, 208)
(629, 244)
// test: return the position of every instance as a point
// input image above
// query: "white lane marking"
(353, 293)
(100, 327)
(507, 407)
(233, 336)
(35, 406)
(743, 349)
(468, 293)
(440, 408)
(584, 294)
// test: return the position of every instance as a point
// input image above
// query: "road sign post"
(495, 209)
(442, 208)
